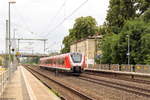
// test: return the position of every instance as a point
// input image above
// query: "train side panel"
(65, 62)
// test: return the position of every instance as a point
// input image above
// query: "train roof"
(61, 55)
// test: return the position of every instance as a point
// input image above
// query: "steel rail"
(127, 88)
(81, 95)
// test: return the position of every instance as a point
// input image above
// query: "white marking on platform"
(29, 89)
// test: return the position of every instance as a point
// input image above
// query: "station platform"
(120, 72)
(24, 86)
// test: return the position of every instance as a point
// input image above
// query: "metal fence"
(5, 77)
(127, 68)
(142, 68)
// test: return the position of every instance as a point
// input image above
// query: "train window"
(57, 61)
(61, 61)
(46, 61)
(42, 62)
(49, 61)
(54, 62)
(76, 57)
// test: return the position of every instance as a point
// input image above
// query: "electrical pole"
(32, 51)
(9, 34)
(19, 39)
(44, 46)
(6, 45)
(18, 44)
(95, 53)
(14, 42)
(6, 48)
(128, 54)
(9, 29)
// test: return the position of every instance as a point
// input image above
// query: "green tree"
(108, 47)
(34, 60)
(115, 48)
(102, 30)
(145, 48)
(66, 45)
(119, 11)
(0, 61)
(84, 27)
(137, 30)
(68, 40)
(146, 16)
(142, 6)
(122, 10)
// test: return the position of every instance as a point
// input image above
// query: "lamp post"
(6, 45)
(9, 28)
(128, 54)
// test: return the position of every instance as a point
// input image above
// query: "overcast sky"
(42, 19)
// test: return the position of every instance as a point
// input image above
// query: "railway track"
(61, 87)
(95, 87)
(120, 86)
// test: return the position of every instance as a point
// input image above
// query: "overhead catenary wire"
(14, 24)
(53, 44)
(74, 11)
(57, 13)
(23, 21)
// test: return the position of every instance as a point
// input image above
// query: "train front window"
(76, 57)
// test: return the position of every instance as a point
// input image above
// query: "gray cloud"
(35, 16)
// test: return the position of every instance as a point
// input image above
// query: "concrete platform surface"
(120, 72)
(24, 86)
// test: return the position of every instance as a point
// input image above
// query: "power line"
(57, 13)
(23, 21)
(74, 11)
(14, 24)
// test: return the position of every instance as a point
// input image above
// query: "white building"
(88, 47)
